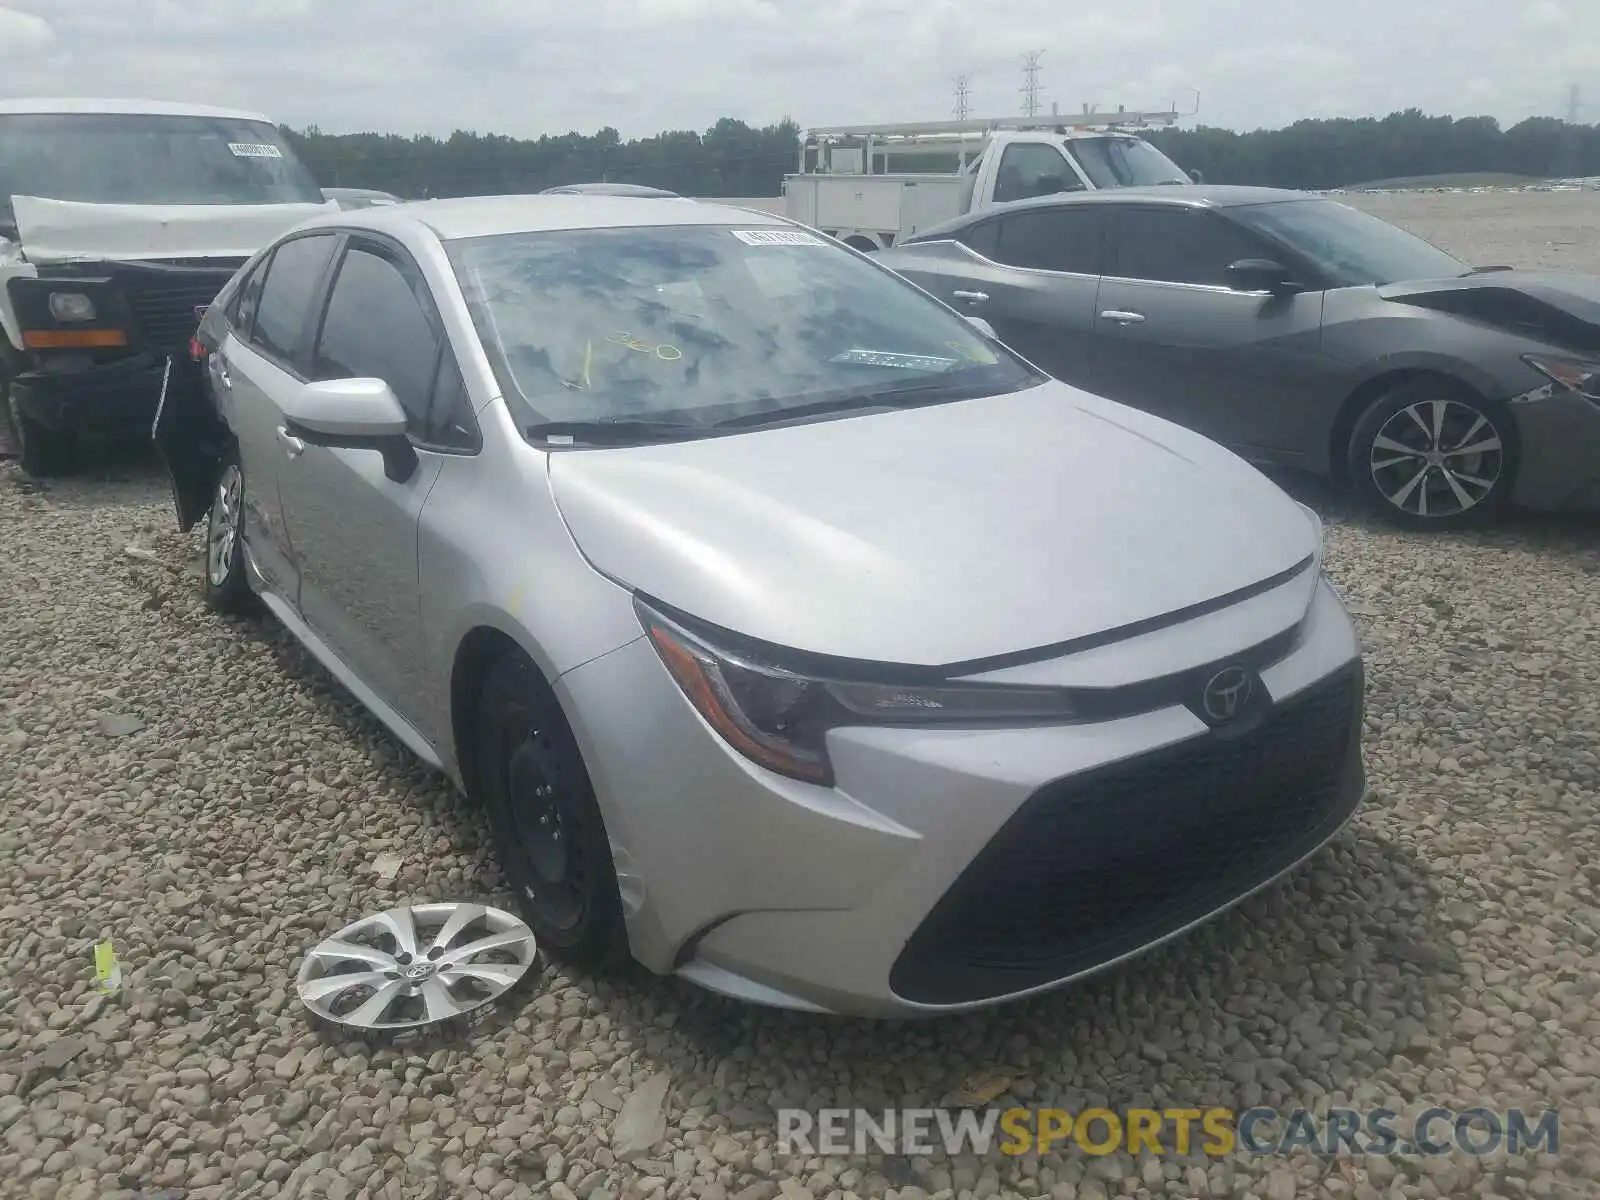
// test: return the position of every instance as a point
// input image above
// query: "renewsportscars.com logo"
(1213, 1132)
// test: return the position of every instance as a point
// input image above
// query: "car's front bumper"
(1560, 461)
(952, 869)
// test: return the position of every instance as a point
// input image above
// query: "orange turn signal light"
(72, 339)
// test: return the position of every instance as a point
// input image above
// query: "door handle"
(219, 368)
(292, 446)
(1122, 317)
(970, 297)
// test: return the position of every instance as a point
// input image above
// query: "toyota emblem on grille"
(1226, 693)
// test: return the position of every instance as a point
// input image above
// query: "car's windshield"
(700, 324)
(1111, 162)
(141, 159)
(1352, 247)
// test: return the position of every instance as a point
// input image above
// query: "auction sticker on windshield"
(777, 237)
(254, 150)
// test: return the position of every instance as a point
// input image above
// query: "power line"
(1030, 82)
(963, 96)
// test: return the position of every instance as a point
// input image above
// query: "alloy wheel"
(1437, 458)
(222, 531)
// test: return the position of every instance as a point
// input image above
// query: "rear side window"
(1051, 239)
(292, 279)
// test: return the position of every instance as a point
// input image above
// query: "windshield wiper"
(901, 397)
(618, 432)
(1487, 270)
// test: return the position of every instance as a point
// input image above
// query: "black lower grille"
(1096, 866)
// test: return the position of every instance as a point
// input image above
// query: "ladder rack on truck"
(870, 185)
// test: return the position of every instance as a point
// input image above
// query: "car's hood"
(67, 231)
(934, 536)
(1551, 306)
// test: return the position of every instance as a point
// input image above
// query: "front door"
(354, 529)
(1177, 341)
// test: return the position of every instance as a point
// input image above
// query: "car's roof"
(487, 216)
(1197, 195)
(142, 108)
(609, 189)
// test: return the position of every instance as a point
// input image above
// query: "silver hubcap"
(223, 530)
(1437, 458)
(416, 966)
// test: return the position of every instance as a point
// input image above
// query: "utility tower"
(1574, 105)
(1030, 82)
(963, 97)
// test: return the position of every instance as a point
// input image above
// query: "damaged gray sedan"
(1301, 333)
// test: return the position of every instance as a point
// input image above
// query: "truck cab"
(870, 186)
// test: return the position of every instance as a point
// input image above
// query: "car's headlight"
(1578, 374)
(71, 306)
(779, 718)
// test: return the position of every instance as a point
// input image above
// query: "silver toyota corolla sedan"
(799, 638)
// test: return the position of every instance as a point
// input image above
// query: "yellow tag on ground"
(107, 971)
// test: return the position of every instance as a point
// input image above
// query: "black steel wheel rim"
(537, 788)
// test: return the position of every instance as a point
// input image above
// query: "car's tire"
(1432, 454)
(227, 588)
(40, 452)
(529, 773)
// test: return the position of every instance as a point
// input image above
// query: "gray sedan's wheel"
(417, 969)
(226, 588)
(548, 829)
(1433, 455)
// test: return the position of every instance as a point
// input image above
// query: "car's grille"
(166, 307)
(1094, 867)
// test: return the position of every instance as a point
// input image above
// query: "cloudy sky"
(525, 67)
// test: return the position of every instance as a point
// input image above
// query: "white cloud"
(526, 67)
(23, 33)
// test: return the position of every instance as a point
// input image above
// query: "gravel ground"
(194, 790)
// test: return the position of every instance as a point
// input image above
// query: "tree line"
(735, 159)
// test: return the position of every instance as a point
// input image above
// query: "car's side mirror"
(1259, 275)
(983, 327)
(1197, 176)
(353, 414)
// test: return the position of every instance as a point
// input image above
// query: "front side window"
(699, 325)
(375, 328)
(1029, 169)
(1181, 245)
(284, 304)
(131, 158)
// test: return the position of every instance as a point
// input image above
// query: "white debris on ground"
(198, 794)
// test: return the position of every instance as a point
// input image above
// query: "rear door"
(259, 361)
(1033, 275)
(1175, 339)
(354, 529)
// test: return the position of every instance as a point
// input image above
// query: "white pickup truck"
(870, 185)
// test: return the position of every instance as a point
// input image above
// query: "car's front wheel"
(1432, 455)
(227, 590)
(548, 828)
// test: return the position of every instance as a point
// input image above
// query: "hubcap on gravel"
(413, 967)
(223, 529)
(1437, 458)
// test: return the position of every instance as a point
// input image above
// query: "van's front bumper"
(953, 869)
(112, 400)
